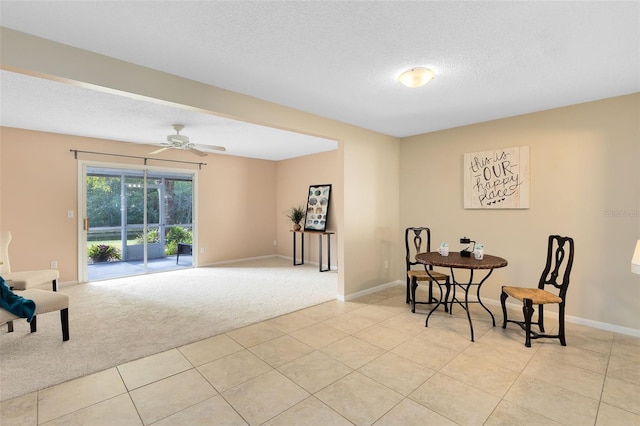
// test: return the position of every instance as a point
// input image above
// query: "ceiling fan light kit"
(416, 77)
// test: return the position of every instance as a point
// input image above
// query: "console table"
(320, 235)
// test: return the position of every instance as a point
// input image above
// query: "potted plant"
(296, 215)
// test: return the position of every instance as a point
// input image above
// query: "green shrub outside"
(103, 253)
(152, 237)
(177, 235)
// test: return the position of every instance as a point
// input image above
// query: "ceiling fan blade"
(157, 151)
(198, 152)
(211, 148)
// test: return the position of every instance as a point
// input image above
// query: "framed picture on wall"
(497, 179)
(317, 208)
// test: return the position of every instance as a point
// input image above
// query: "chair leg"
(541, 318)
(64, 320)
(408, 291)
(527, 310)
(563, 342)
(430, 299)
(33, 324)
(414, 286)
(503, 298)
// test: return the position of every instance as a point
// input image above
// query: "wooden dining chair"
(418, 240)
(559, 262)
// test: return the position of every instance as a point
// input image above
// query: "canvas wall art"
(497, 179)
(317, 207)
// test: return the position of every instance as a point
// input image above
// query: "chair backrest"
(416, 240)
(5, 239)
(559, 264)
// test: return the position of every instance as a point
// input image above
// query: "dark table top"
(455, 260)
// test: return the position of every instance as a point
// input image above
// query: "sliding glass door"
(135, 219)
(137, 224)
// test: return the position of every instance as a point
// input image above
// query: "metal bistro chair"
(559, 263)
(418, 240)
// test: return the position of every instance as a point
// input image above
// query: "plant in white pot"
(296, 215)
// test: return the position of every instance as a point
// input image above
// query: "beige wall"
(39, 187)
(240, 201)
(358, 246)
(371, 182)
(236, 210)
(584, 170)
(585, 183)
(1, 183)
(294, 176)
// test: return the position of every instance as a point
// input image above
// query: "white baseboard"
(226, 262)
(65, 284)
(369, 291)
(307, 262)
(571, 319)
(518, 307)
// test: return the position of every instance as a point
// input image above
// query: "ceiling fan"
(179, 141)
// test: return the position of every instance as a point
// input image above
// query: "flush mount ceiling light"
(416, 77)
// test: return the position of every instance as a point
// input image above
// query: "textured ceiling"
(49, 106)
(339, 59)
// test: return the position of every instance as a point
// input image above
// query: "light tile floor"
(363, 362)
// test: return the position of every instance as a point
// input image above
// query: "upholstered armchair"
(22, 280)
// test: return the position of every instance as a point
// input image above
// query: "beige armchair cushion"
(24, 280)
(46, 301)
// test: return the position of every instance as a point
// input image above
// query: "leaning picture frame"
(317, 207)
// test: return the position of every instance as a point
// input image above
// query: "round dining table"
(456, 261)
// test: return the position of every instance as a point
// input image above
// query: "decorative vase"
(297, 227)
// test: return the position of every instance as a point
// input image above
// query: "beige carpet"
(120, 320)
